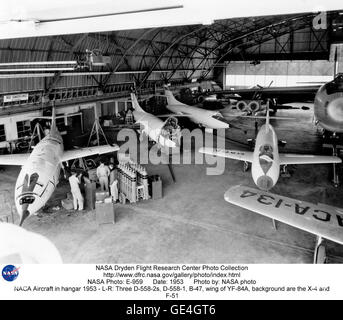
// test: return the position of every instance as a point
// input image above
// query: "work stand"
(98, 132)
(37, 133)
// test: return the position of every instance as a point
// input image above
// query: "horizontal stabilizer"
(85, 152)
(323, 221)
(286, 158)
(232, 154)
(14, 159)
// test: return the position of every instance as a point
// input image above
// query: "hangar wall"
(282, 73)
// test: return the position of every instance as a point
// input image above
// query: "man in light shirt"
(102, 173)
(74, 181)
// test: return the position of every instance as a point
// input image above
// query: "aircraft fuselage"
(265, 167)
(153, 128)
(39, 176)
(328, 105)
(202, 117)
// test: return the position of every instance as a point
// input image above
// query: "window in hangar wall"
(2, 133)
(278, 73)
(24, 128)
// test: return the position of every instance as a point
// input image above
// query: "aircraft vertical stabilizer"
(135, 104)
(170, 97)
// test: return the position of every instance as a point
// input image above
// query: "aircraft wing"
(283, 94)
(324, 221)
(232, 154)
(14, 159)
(85, 152)
(287, 158)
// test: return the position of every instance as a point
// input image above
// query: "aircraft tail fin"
(335, 64)
(267, 117)
(53, 126)
(170, 97)
(135, 104)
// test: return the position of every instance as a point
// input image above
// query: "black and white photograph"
(176, 136)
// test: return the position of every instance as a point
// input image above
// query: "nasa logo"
(10, 273)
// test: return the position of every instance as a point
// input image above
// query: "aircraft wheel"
(321, 255)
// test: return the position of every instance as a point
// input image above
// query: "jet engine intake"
(242, 106)
(254, 106)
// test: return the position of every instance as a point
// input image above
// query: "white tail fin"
(135, 104)
(267, 117)
(170, 97)
(53, 116)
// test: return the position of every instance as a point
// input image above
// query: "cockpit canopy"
(30, 181)
(266, 157)
(267, 150)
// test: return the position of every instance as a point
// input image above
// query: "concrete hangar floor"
(192, 223)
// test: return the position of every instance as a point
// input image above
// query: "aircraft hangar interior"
(172, 132)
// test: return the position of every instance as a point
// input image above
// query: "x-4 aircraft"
(265, 159)
(40, 169)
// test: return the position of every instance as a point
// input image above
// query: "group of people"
(108, 179)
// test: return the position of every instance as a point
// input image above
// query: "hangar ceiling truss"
(182, 52)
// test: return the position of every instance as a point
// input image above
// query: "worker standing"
(102, 173)
(113, 182)
(74, 181)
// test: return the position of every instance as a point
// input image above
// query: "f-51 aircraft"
(326, 222)
(41, 168)
(265, 159)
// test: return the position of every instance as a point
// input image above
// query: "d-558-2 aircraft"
(153, 127)
(40, 171)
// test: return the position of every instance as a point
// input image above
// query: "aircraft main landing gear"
(335, 149)
(246, 166)
(320, 252)
(284, 172)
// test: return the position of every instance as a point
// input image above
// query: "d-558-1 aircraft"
(41, 168)
(265, 159)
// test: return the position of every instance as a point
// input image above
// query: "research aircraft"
(204, 118)
(40, 169)
(265, 159)
(154, 127)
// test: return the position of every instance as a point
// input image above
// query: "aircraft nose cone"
(265, 183)
(335, 109)
(24, 215)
